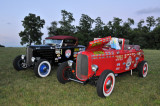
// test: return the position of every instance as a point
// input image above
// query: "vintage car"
(56, 49)
(101, 61)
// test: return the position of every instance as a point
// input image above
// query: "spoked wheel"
(105, 83)
(64, 72)
(18, 63)
(42, 68)
(143, 69)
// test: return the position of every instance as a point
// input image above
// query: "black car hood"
(42, 47)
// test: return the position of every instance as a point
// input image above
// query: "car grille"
(29, 55)
(82, 67)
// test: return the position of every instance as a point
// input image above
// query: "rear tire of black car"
(142, 69)
(105, 83)
(63, 72)
(42, 68)
(17, 63)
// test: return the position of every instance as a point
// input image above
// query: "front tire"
(142, 69)
(105, 83)
(18, 63)
(63, 73)
(42, 68)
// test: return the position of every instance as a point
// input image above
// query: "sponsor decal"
(96, 44)
(119, 57)
(76, 49)
(128, 63)
(137, 58)
(117, 68)
(98, 52)
(76, 53)
(68, 53)
(135, 65)
(59, 57)
(118, 64)
(117, 52)
(58, 51)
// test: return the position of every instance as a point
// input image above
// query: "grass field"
(24, 88)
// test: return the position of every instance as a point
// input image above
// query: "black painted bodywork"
(50, 53)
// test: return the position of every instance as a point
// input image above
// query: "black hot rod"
(42, 58)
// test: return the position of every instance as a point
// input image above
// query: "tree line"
(146, 34)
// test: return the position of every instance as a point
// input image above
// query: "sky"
(12, 12)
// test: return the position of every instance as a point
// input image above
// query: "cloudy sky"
(12, 12)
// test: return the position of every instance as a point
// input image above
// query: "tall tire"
(17, 63)
(142, 69)
(63, 72)
(105, 83)
(42, 68)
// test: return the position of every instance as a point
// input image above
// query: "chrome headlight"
(94, 67)
(70, 62)
(33, 59)
(22, 57)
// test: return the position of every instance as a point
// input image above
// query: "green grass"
(24, 88)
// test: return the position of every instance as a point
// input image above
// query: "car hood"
(42, 47)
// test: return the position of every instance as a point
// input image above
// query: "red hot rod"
(102, 59)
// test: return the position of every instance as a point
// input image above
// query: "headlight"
(94, 67)
(70, 62)
(22, 57)
(33, 59)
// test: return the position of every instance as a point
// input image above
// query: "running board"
(76, 80)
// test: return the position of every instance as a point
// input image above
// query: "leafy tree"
(150, 22)
(99, 27)
(126, 28)
(116, 27)
(66, 27)
(52, 30)
(140, 24)
(67, 19)
(84, 28)
(156, 37)
(146, 34)
(158, 21)
(32, 29)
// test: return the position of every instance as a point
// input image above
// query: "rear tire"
(17, 63)
(142, 69)
(105, 83)
(42, 68)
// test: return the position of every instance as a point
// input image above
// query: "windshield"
(114, 44)
(54, 42)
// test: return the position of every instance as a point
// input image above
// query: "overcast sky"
(12, 12)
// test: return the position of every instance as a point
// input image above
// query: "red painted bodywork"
(118, 61)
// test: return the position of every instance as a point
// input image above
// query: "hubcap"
(44, 68)
(145, 69)
(108, 84)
